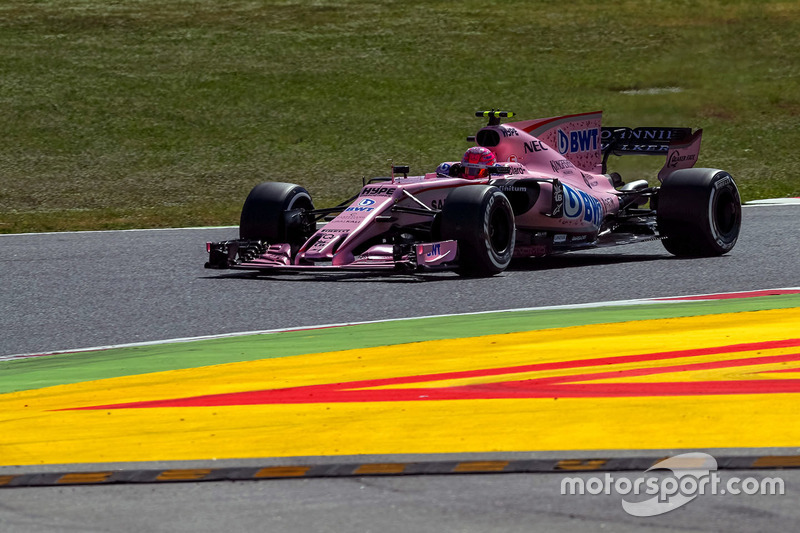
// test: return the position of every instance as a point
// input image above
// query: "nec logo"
(378, 191)
(578, 141)
(534, 146)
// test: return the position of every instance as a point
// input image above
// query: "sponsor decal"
(590, 180)
(382, 190)
(512, 188)
(509, 132)
(513, 158)
(643, 140)
(676, 158)
(530, 250)
(646, 148)
(535, 146)
(723, 182)
(579, 205)
(366, 201)
(436, 253)
(324, 240)
(513, 171)
(359, 209)
(577, 141)
(559, 237)
(564, 164)
(643, 134)
(558, 200)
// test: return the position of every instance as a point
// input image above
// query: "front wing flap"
(258, 255)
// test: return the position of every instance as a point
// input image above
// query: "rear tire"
(273, 212)
(699, 212)
(481, 219)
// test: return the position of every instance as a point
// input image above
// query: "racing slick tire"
(274, 212)
(699, 212)
(480, 219)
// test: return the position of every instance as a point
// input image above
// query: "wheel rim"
(499, 230)
(726, 213)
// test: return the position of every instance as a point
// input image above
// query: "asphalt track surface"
(68, 291)
(78, 290)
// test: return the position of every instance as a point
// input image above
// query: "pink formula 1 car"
(528, 189)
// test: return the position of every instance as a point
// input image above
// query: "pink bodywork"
(567, 148)
(564, 152)
(367, 217)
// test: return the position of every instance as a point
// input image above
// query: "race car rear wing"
(641, 141)
(575, 137)
(680, 146)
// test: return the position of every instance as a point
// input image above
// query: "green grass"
(138, 113)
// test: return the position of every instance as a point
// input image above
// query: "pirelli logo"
(530, 466)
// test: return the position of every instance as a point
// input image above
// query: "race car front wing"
(258, 255)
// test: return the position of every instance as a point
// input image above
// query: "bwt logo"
(578, 204)
(578, 141)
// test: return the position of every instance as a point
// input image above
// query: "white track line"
(612, 303)
(136, 230)
(773, 201)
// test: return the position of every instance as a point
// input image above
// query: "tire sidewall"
(263, 212)
(699, 212)
(724, 233)
(497, 205)
(473, 215)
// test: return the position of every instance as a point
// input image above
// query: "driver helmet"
(476, 161)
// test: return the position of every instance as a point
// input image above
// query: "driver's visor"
(474, 170)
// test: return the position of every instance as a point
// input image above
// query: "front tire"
(699, 212)
(481, 219)
(273, 212)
